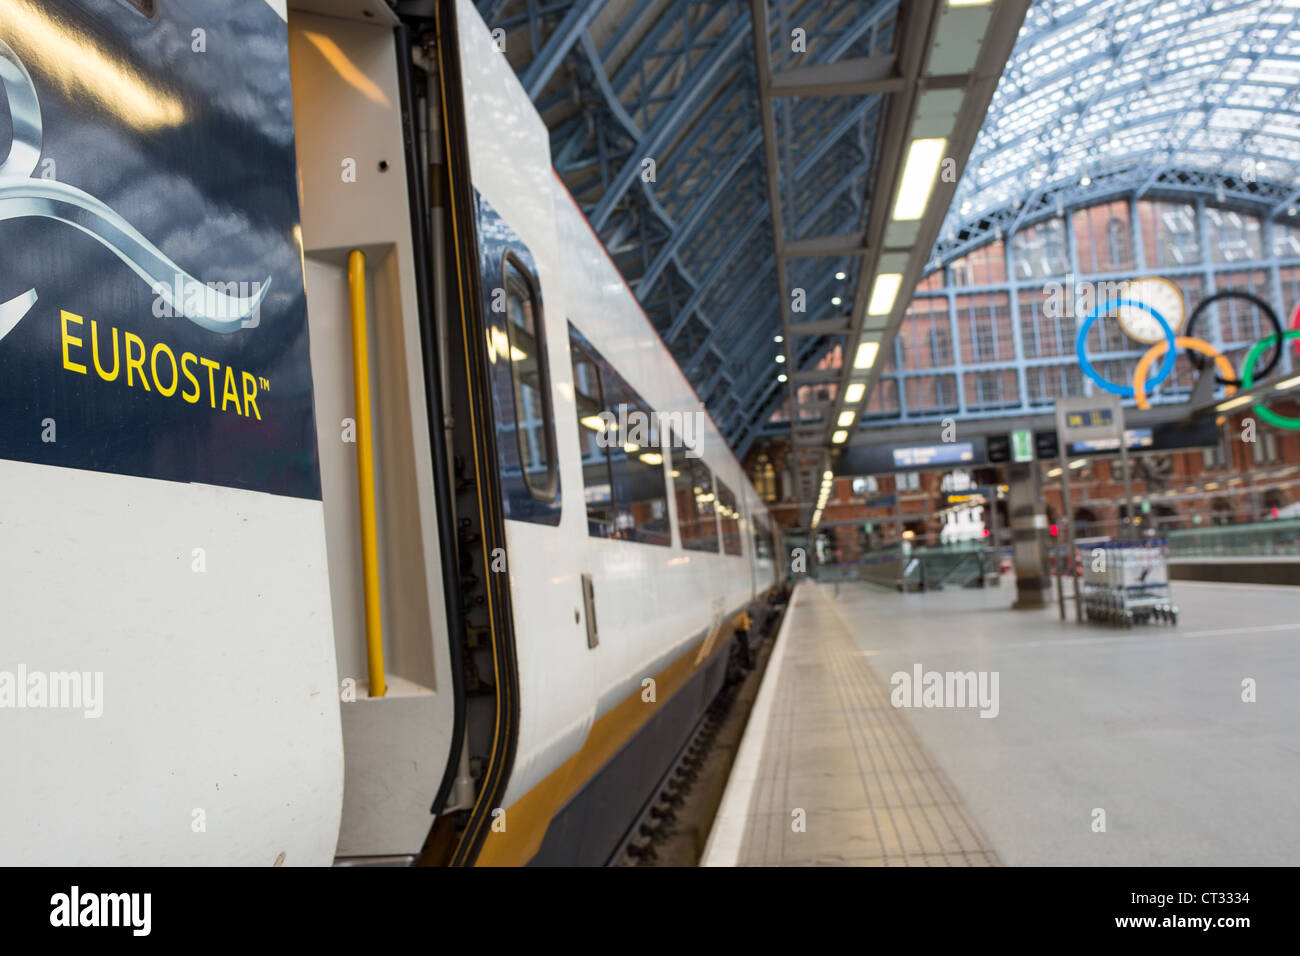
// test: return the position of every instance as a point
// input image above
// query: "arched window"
(1117, 242)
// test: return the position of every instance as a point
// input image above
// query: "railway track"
(674, 825)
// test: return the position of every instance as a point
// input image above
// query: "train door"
(389, 534)
(751, 546)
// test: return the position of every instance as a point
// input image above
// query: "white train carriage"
(530, 554)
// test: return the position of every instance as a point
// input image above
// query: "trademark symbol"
(264, 383)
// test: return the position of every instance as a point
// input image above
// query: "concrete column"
(1028, 537)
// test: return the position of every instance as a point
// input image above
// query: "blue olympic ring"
(1080, 348)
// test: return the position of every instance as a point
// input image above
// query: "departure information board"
(945, 453)
(1089, 418)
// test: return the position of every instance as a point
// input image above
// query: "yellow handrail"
(366, 472)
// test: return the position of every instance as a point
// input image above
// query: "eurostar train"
(352, 510)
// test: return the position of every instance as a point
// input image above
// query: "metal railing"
(1263, 539)
(924, 568)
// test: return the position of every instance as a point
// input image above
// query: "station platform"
(1143, 732)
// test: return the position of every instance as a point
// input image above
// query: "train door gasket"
(482, 527)
(430, 352)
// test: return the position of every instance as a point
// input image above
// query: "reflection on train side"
(697, 522)
(623, 478)
(521, 388)
(523, 354)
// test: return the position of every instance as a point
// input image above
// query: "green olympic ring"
(1248, 379)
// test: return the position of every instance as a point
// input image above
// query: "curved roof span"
(1102, 97)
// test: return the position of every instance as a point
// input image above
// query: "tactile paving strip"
(838, 751)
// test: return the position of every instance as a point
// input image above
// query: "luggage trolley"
(1128, 583)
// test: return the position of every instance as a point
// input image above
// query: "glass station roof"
(1098, 86)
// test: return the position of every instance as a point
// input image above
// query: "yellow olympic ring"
(1182, 342)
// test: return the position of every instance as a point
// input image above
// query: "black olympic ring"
(1198, 361)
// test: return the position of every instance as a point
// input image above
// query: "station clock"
(1161, 295)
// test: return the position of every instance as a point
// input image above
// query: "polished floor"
(1108, 748)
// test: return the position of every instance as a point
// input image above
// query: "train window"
(730, 518)
(762, 539)
(598, 482)
(693, 489)
(526, 351)
(622, 455)
(637, 462)
(518, 373)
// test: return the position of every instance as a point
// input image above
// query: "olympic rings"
(1198, 363)
(1196, 348)
(1295, 324)
(1182, 342)
(1126, 391)
(1248, 379)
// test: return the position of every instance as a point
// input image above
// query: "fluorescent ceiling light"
(652, 458)
(923, 158)
(778, 338)
(840, 437)
(1233, 403)
(780, 357)
(846, 419)
(594, 422)
(781, 377)
(884, 292)
(1287, 383)
(840, 276)
(853, 394)
(1054, 473)
(631, 448)
(836, 300)
(1078, 463)
(827, 475)
(866, 354)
